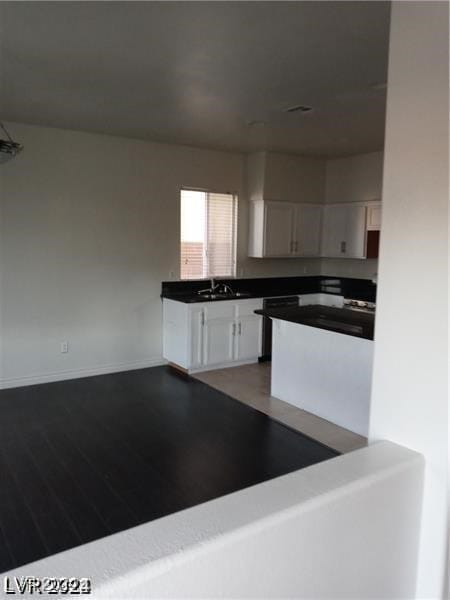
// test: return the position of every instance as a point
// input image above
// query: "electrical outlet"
(64, 347)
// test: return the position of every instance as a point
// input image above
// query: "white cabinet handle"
(240, 328)
(203, 318)
(234, 328)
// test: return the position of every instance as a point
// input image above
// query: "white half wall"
(346, 528)
(410, 393)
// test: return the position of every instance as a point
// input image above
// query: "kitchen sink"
(210, 296)
(223, 295)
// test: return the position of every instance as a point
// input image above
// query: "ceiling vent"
(8, 148)
(299, 108)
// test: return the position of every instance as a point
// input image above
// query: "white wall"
(90, 228)
(345, 528)
(354, 178)
(89, 231)
(349, 267)
(255, 167)
(294, 178)
(409, 400)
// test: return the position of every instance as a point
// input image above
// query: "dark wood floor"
(85, 458)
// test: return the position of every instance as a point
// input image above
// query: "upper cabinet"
(276, 229)
(344, 231)
(351, 230)
(374, 216)
(302, 206)
(307, 230)
(286, 193)
(284, 229)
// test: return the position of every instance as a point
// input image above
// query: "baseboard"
(79, 373)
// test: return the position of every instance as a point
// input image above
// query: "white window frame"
(234, 234)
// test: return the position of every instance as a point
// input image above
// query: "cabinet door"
(307, 230)
(218, 341)
(355, 232)
(344, 231)
(248, 338)
(278, 228)
(334, 231)
(374, 217)
(196, 337)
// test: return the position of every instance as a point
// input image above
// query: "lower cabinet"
(218, 339)
(194, 335)
(211, 334)
(248, 337)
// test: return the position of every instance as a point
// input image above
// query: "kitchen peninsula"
(322, 362)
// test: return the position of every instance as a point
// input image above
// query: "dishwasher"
(278, 302)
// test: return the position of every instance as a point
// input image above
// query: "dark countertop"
(266, 287)
(194, 297)
(341, 320)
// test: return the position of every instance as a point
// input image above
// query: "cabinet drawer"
(220, 310)
(246, 308)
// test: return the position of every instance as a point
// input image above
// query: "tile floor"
(251, 385)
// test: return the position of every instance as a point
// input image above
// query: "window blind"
(208, 235)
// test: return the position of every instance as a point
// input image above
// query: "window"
(208, 235)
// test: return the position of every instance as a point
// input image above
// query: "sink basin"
(208, 296)
(223, 296)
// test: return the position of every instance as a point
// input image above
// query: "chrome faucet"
(212, 288)
(216, 288)
(226, 288)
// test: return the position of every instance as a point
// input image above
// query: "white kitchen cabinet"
(248, 338)
(218, 341)
(306, 236)
(195, 337)
(206, 335)
(344, 231)
(374, 216)
(248, 330)
(284, 229)
(278, 220)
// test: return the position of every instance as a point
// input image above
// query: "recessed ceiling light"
(298, 108)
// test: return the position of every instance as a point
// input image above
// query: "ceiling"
(211, 74)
